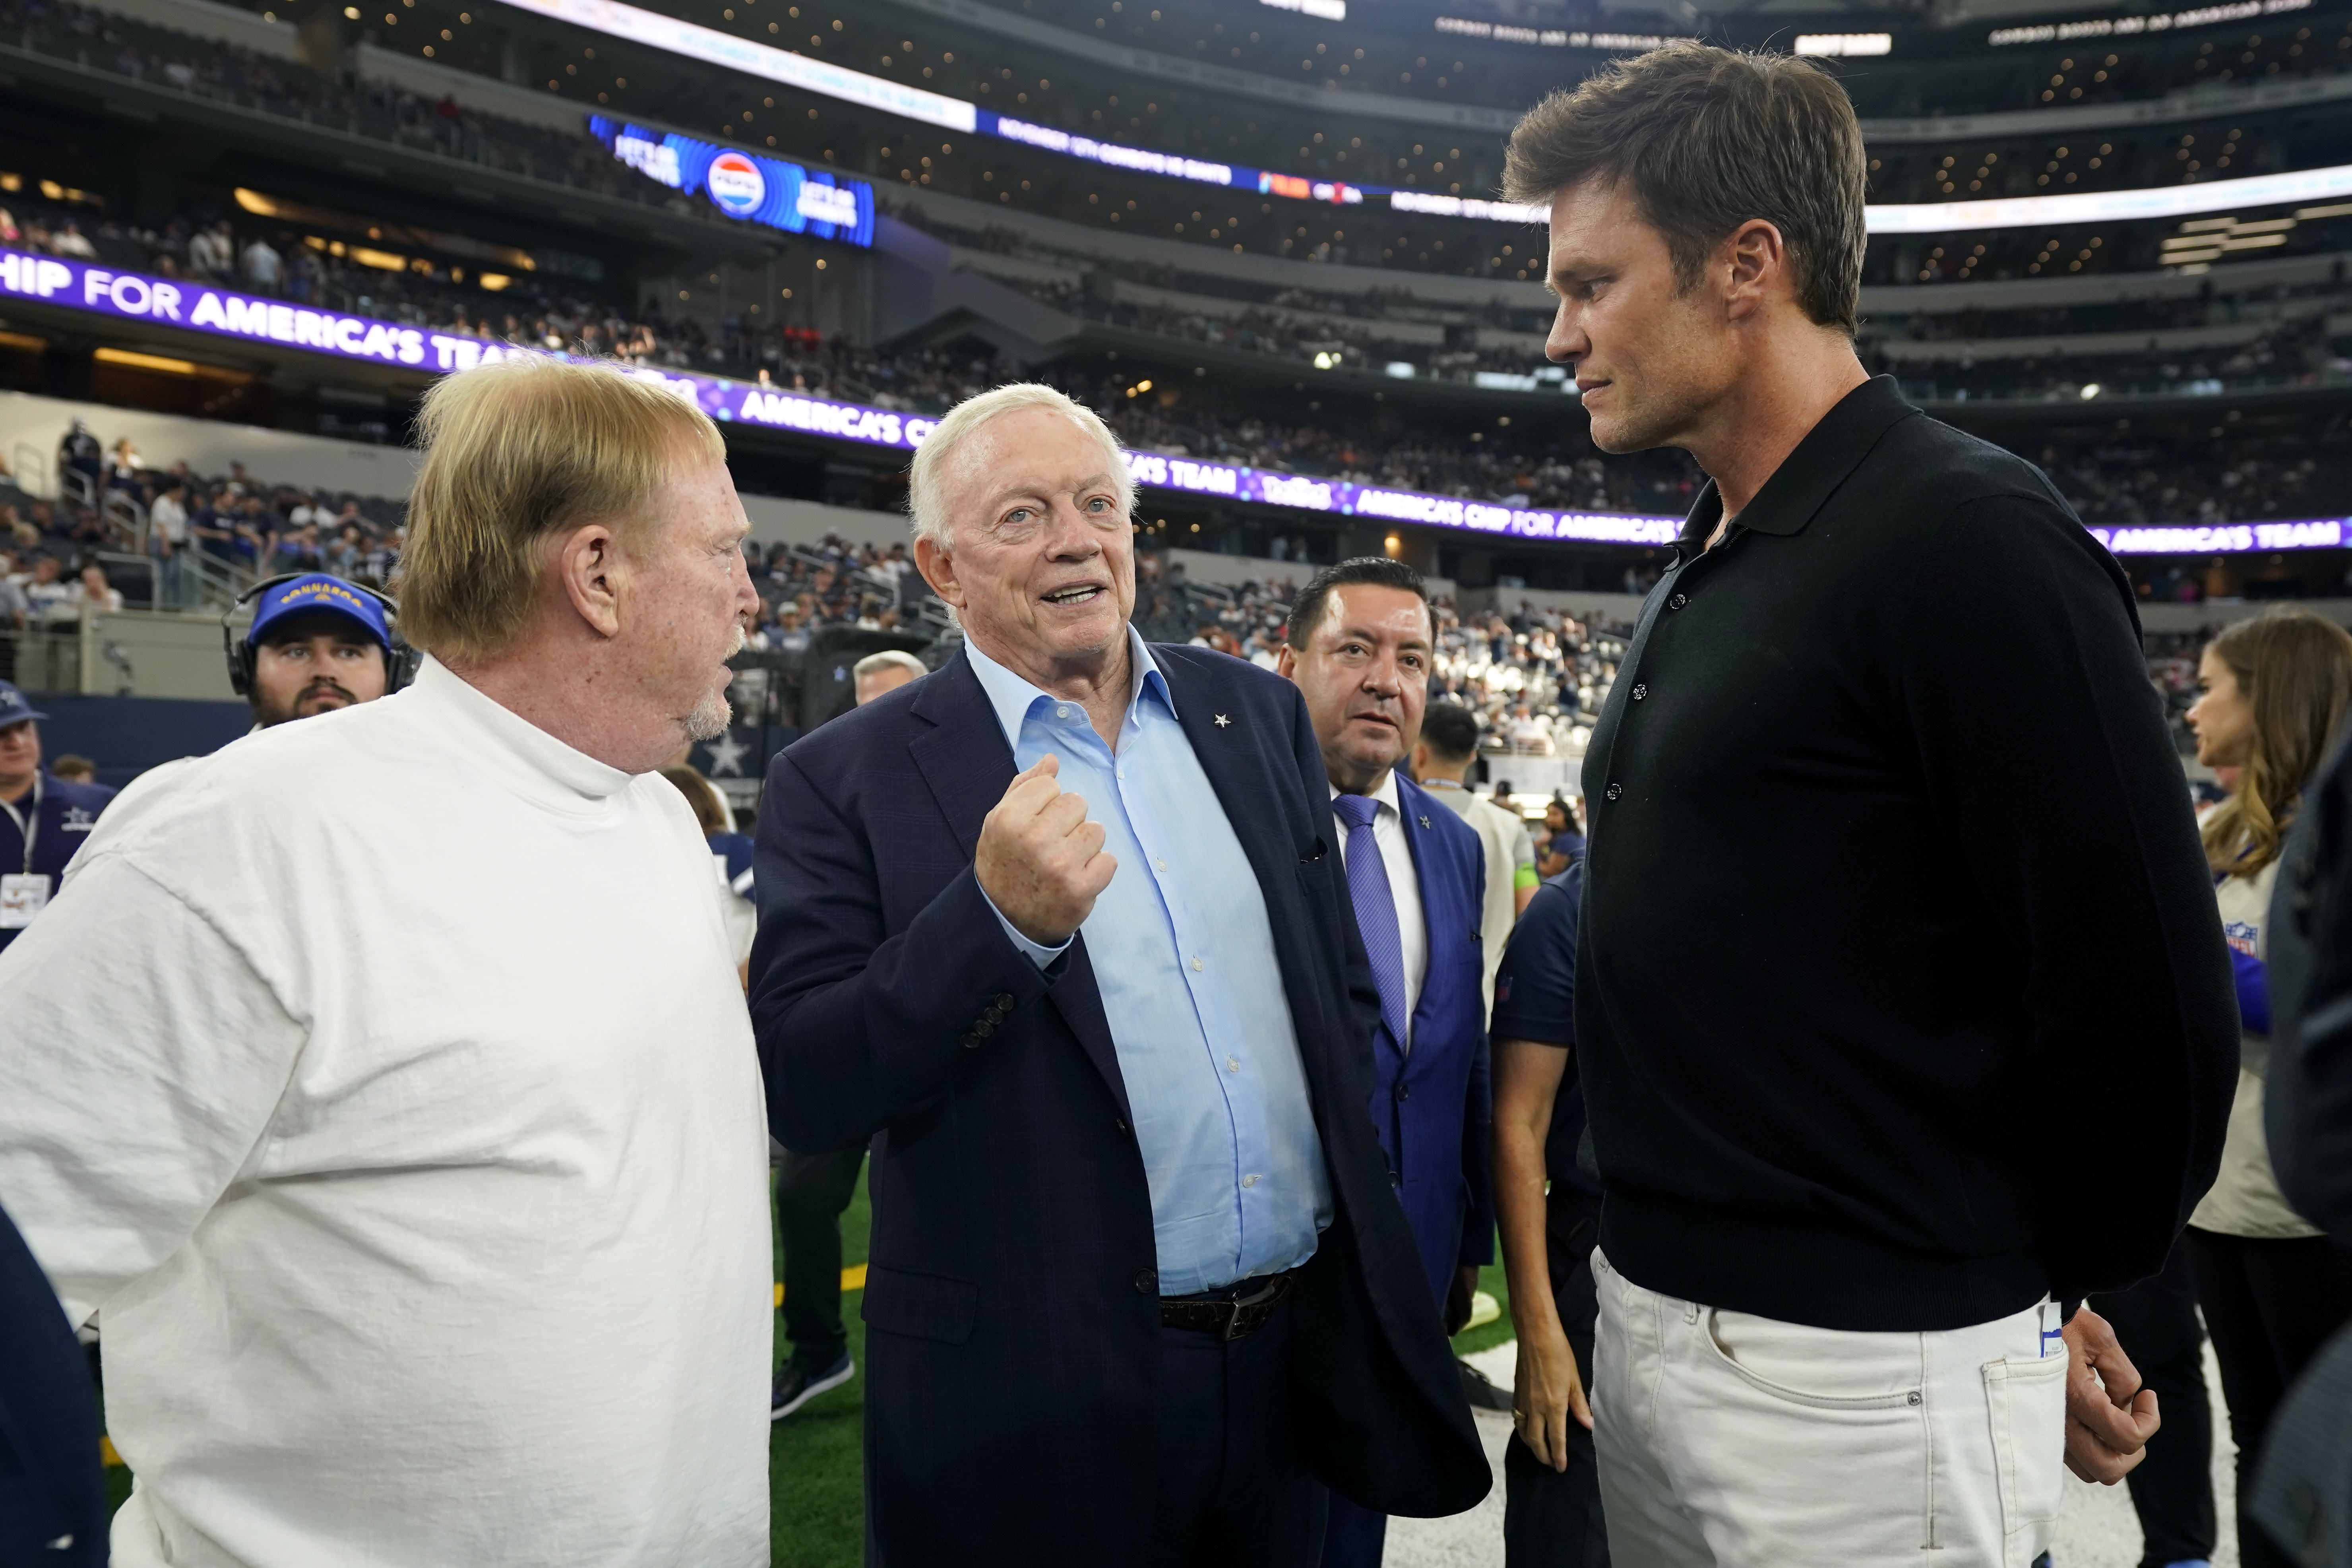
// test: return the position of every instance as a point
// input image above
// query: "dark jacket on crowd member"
(1867, 1046)
(2307, 1107)
(1012, 1303)
(52, 1493)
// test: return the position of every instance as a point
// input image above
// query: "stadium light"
(617, 19)
(1825, 45)
(635, 24)
(2017, 212)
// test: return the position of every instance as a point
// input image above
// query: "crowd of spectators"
(236, 75)
(2293, 352)
(263, 258)
(113, 509)
(1536, 677)
(804, 588)
(2150, 481)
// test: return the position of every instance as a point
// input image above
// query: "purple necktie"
(1376, 915)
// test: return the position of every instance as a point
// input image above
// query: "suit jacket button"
(1147, 1282)
(984, 1027)
(970, 1042)
(1403, 1093)
(1004, 1002)
(1396, 1178)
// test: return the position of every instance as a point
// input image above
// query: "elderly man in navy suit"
(1064, 927)
(1360, 645)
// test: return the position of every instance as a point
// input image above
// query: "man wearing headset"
(317, 643)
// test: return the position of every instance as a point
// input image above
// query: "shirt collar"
(533, 762)
(1385, 796)
(1809, 475)
(1013, 697)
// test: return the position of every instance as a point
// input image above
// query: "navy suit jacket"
(1433, 1106)
(1012, 1303)
(51, 1488)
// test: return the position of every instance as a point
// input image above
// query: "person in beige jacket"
(2271, 1286)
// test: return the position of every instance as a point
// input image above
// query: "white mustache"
(739, 640)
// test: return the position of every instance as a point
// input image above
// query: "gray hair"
(888, 659)
(928, 507)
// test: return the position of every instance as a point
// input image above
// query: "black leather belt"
(1226, 1314)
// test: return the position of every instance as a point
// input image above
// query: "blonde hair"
(516, 450)
(2295, 670)
(928, 507)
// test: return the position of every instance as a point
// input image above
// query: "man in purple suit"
(1358, 649)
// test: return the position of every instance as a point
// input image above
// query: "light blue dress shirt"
(1185, 957)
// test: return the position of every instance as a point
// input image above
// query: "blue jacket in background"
(52, 1492)
(1434, 1105)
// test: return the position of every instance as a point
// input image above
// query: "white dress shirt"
(1404, 886)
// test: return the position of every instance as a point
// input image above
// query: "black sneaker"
(1481, 1389)
(795, 1387)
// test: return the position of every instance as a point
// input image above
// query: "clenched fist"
(1040, 861)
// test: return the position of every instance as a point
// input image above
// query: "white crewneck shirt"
(385, 1082)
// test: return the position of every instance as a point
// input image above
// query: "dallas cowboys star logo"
(1224, 722)
(727, 754)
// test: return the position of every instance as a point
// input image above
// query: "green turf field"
(812, 1463)
(812, 1458)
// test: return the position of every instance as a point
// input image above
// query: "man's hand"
(2109, 1416)
(1545, 1392)
(1458, 1298)
(1040, 861)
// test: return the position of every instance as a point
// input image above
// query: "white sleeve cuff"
(1040, 956)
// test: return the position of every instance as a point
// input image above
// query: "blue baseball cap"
(14, 708)
(318, 591)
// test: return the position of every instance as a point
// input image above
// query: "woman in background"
(2271, 1286)
(730, 858)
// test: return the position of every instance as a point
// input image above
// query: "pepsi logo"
(736, 185)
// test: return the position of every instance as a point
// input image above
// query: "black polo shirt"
(1901, 991)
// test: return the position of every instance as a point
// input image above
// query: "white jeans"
(1732, 1441)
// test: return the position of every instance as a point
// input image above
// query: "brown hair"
(516, 451)
(2296, 670)
(1706, 139)
(710, 808)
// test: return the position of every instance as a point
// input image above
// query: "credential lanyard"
(27, 828)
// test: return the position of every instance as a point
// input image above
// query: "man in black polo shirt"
(1885, 1071)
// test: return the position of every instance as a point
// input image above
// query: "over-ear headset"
(399, 659)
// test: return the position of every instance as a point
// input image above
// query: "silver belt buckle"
(1234, 1321)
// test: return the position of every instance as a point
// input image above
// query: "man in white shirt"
(208, 253)
(1441, 763)
(413, 1168)
(262, 266)
(167, 540)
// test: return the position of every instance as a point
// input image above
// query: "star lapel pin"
(1425, 822)
(1224, 722)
